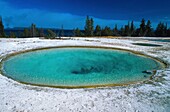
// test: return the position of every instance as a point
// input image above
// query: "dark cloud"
(72, 13)
(105, 9)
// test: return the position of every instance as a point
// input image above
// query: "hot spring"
(75, 67)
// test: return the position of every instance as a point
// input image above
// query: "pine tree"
(12, 35)
(26, 33)
(2, 33)
(107, 31)
(148, 31)
(89, 28)
(166, 29)
(78, 33)
(161, 30)
(127, 29)
(97, 31)
(122, 31)
(20, 34)
(132, 29)
(33, 30)
(115, 31)
(142, 28)
(168, 32)
(41, 33)
(50, 34)
(62, 31)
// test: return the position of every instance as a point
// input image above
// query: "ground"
(153, 95)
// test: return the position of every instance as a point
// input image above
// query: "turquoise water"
(78, 67)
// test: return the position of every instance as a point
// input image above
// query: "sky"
(72, 13)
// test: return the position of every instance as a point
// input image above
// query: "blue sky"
(72, 13)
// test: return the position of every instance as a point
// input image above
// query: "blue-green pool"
(78, 67)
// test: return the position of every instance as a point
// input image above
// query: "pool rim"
(6, 57)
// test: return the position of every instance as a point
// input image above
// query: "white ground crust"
(147, 97)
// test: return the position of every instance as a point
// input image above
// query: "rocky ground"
(150, 96)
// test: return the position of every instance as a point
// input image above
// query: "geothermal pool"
(79, 67)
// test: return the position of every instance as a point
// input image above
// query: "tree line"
(32, 31)
(145, 30)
